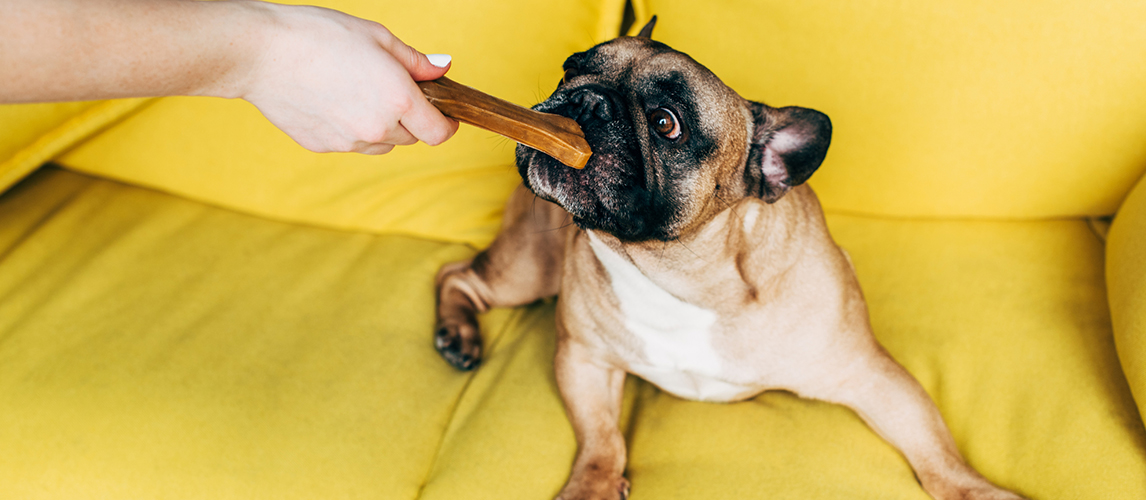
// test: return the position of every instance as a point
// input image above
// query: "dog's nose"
(591, 105)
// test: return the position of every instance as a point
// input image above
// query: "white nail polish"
(439, 60)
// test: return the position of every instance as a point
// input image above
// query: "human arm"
(331, 81)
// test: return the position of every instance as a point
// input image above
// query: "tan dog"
(699, 262)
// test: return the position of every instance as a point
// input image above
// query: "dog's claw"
(461, 351)
(441, 339)
(602, 490)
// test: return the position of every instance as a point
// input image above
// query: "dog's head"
(672, 145)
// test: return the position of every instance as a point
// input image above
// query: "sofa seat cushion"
(154, 347)
(1005, 324)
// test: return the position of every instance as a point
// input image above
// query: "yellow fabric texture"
(1126, 278)
(225, 153)
(155, 347)
(948, 108)
(31, 134)
(1004, 323)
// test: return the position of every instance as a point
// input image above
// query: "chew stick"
(554, 135)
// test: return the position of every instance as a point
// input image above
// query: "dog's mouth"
(612, 193)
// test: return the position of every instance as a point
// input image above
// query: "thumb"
(420, 66)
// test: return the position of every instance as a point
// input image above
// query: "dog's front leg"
(592, 393)
(894, 404)
(522, 265)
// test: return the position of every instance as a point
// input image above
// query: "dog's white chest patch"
(678, 352)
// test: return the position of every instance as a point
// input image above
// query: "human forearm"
(54, 50)
(331, 81)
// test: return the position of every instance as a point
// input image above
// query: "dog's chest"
(676, 336)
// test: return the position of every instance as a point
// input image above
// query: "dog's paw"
(459, 344)
(603, 489)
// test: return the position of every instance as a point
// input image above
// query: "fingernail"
(439, 60)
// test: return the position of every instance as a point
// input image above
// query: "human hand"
(334, 82)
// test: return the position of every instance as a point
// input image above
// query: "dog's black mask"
(671, 143)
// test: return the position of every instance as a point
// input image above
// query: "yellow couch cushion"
(966, 108)
(1006, 326)
(225, 153)
(153, 347)
(1126, 279)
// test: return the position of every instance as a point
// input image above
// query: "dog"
(698, 260)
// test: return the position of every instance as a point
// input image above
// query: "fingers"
(428, 124)
(420, 66)
(372, 149)
(422, 119)
(379, 108)
(399, 136)
(417, 119)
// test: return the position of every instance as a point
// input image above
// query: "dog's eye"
(664, 123)
(569, 75)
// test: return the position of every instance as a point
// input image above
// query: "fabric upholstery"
(31, 134)
(950, 108)
(1126, 278)
(154, 347)
(1004, 324)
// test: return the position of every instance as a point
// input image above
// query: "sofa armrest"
(1126, 288)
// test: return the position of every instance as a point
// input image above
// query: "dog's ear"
(647, 31)
(788, 145)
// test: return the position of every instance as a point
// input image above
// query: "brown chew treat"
(554, 135)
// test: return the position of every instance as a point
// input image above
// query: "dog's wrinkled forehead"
(646, 69)
(636, 59)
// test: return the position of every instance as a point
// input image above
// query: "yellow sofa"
(192, 306)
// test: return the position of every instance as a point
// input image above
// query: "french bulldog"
(697, 259)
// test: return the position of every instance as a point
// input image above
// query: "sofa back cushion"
(948, 108)
(31, 134)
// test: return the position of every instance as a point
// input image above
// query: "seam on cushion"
(514, 318)
(1100, 226)
(65, 136)
(445, 431)
(61, 204)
